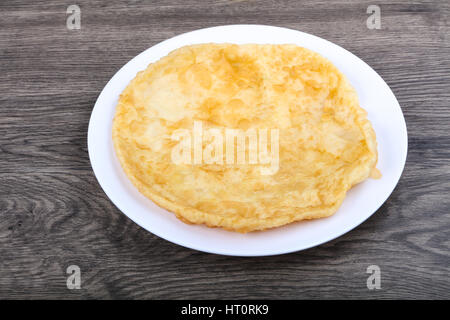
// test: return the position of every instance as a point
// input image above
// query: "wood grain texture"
(53, 212)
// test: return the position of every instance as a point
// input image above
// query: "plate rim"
(225, 252)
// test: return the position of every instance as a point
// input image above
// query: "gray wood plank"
(53, 213)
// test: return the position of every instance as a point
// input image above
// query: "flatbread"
(326, 144)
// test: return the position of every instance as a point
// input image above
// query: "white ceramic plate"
(361, 202)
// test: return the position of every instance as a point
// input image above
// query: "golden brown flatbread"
(326, 144)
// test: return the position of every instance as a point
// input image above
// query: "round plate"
(361, 202)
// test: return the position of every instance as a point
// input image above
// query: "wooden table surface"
(54, 214)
